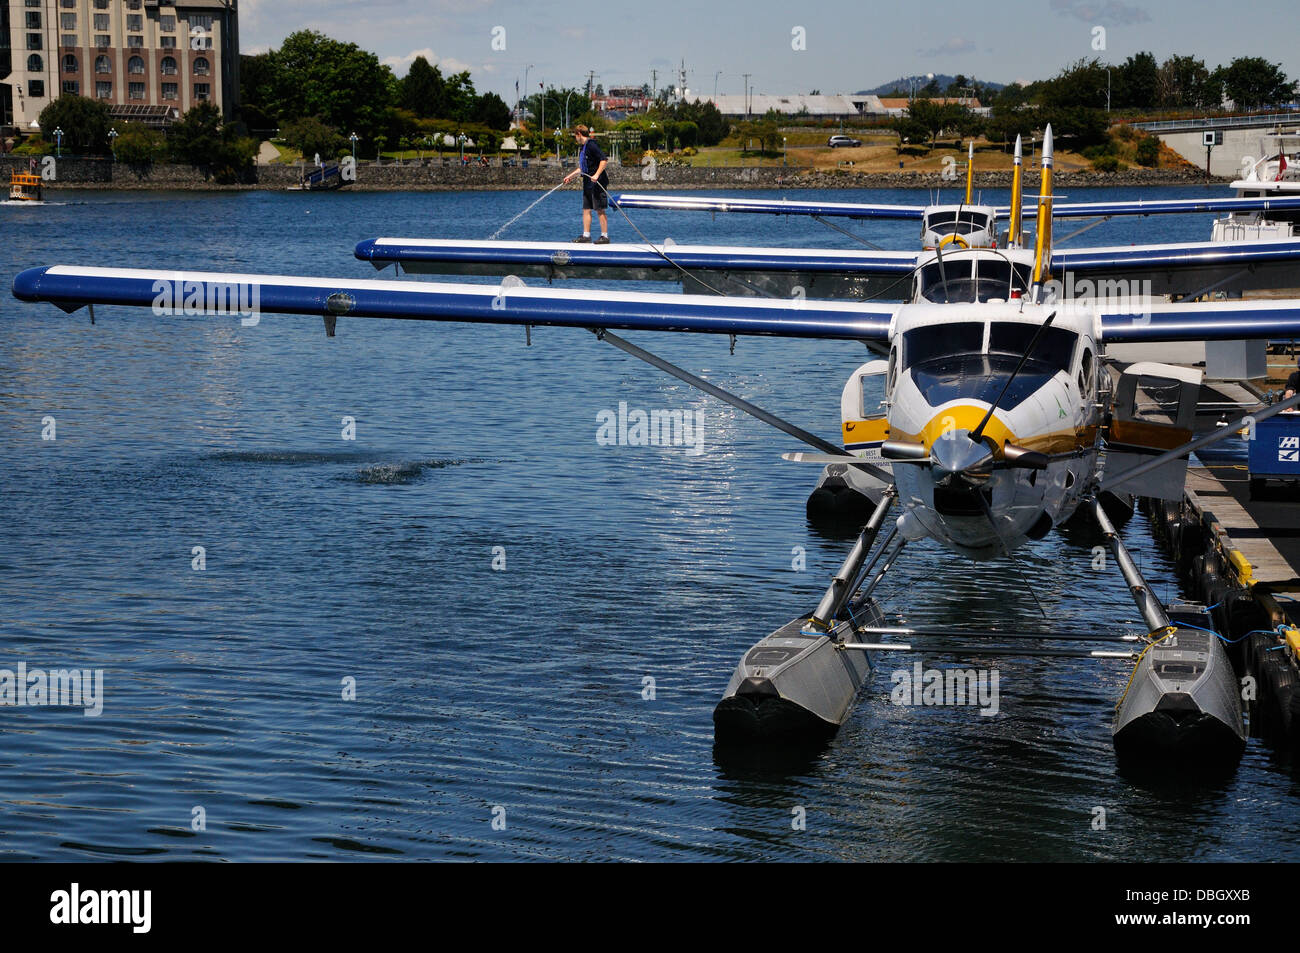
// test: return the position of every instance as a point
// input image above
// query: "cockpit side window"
(1087, 373)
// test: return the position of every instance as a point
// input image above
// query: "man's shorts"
(595, 197)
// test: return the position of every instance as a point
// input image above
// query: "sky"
(788, 47)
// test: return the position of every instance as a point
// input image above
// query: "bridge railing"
(1252, 121)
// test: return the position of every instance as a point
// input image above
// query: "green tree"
(203, 140)
(344, 85)
(1251, 81)
(423, 90)
(462, 98)
(1082, 83)
(312, 137)
(935, 117)
(1183, 82)
(137, 144)
(1139, 80)
(85, 123)
(491, 111)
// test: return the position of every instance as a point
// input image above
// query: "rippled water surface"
(480, 689)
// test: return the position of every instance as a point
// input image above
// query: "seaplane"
(1000, 420)
(959, 260)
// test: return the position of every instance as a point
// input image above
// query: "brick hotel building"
(147, 59)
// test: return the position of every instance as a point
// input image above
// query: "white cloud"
(448, 65)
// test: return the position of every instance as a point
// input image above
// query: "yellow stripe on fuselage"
(865, 431)
(967, 418)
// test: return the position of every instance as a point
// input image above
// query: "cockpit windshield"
(955, 222)
(968, 279)
(949, 362)
(937, 342)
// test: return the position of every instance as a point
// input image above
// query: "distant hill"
(904, 83)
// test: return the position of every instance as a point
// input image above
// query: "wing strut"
(739, 403)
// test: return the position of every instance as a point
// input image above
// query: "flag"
(1281, 166)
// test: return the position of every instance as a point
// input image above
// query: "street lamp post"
(1107, 88)
(353, 139)
(460, 138)
(784, 150)
(519, 113)
(715, 86)
(58, 138)
(112, 142)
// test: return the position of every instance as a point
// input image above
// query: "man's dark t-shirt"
(590, 160)
(1293, 382)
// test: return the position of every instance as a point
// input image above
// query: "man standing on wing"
(595, 184)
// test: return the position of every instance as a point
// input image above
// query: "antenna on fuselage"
(970, 171)
(1043, 243)
(1017, 199)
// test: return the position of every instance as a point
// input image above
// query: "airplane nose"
(956, 453)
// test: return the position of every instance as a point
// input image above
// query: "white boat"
(1275, 175)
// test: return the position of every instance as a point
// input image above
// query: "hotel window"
(135, 66)
(167, 23)
(103, 90)
(33, 3)
(68, 21)
(33, 21)
(36, 88)
(135, 42)
(67, 39)
(72, 86)
(33, 41)
(35, 64)
(103, 41)
(67, 4)
(167, 42)
(202, 91)
(133, 4)
(169, 66)
(101, 4)
(201, 67)
(135, 90)
(134, 21)
(69, 63)
(169, 91)
(101, 21)
(102, 65)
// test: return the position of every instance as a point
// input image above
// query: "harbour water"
(537, 625)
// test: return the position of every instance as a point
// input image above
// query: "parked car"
(837, 141)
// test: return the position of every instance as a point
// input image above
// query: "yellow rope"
(1169, 631)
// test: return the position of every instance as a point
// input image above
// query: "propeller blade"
(802, 456)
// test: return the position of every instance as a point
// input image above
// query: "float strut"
(1153, 613)
(841, 586)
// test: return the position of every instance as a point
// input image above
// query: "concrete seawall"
(106, 174)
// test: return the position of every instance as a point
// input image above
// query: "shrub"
(1106, 163)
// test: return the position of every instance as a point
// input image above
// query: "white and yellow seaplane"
(999, 421)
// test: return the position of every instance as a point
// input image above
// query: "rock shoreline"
(105, 174)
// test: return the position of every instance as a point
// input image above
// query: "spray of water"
(536, 202)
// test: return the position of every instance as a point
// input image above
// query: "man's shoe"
(602, 240)
(583, 238)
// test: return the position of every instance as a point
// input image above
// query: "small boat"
(25, 187)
